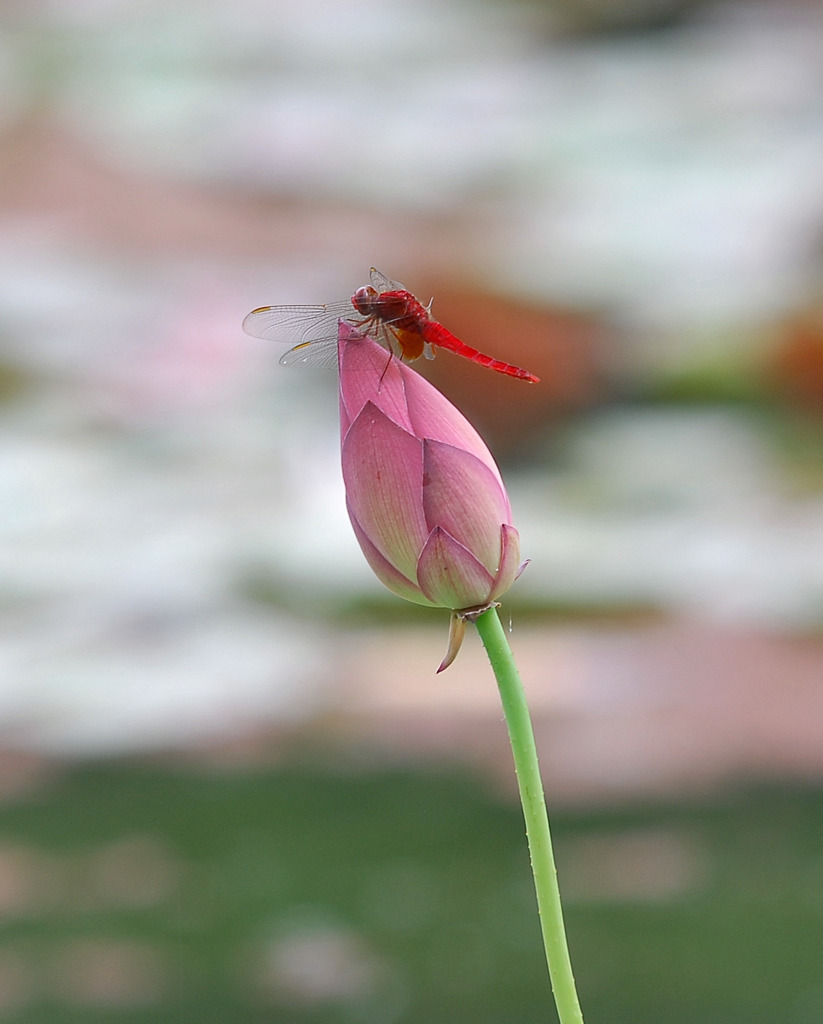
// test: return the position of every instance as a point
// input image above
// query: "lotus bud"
(424, 495)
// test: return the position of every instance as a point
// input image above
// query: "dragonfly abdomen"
(436, 334)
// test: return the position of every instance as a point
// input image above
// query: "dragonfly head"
(364, 300)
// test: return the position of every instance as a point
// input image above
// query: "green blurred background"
(330, 894)
(231, 786)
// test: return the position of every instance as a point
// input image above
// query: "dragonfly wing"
(312, 330)
(383, 283)
(322, 353)
(290, 324)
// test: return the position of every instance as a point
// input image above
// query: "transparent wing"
(298, 325)
(322, 353)
(312, 330)
(383, 283)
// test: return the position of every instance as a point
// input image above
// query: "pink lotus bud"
(424, 494)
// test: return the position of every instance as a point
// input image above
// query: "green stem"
(521, 736)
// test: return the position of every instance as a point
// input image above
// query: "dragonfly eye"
(363, 299)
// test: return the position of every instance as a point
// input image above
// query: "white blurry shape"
(67, 312)
(666, 458)
(312, 962)
(193, 357)
(123, 629)
(684, 512)
(174, 684)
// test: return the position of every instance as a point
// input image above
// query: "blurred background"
(232, 787)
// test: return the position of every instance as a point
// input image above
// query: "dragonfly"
(383, 310)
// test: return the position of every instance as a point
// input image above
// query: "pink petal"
(449, 574)
(384, 570)
(510, 567)
(432, 415)
(461, 494)
(383, 474)
(369, 373)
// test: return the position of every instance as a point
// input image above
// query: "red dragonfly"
(383, 310)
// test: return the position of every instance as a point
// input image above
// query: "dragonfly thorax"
(399, 308)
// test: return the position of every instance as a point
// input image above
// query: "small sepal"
(457, 630)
